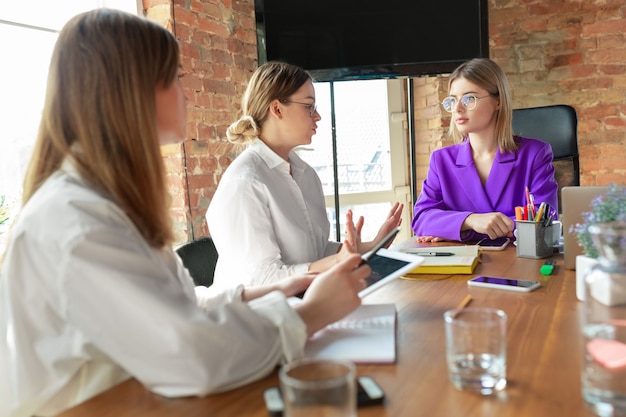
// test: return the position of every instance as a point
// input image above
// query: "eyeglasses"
(311, 107)
(469, 101)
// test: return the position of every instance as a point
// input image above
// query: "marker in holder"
(534, 239)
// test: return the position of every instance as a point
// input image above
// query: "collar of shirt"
(271, 158)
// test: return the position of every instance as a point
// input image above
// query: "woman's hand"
(352, 238)
(346, 250)
(428, 239)
(493, 225)
(394, 219)
(289, 286)
(333, 294)
(296, 284)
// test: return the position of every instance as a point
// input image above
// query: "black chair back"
(199, 257)
(557, 125)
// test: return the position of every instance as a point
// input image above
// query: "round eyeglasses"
(312, 108)
(469, 101)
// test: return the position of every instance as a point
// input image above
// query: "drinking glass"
(604, 324)
(318, 388)
(476, 349)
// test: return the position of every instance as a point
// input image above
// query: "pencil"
(462, 305)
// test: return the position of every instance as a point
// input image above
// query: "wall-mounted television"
(360, 39)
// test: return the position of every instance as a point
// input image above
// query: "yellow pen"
(542, 207)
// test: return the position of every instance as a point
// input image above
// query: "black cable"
(186, 173)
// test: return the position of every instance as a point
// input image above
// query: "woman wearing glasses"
(472, 188)
(268, 215)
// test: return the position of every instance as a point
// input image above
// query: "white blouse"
(85, 303)
(268, 218)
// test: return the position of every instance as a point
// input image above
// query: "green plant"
(606, 208)
(4, 210)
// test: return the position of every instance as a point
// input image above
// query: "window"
(371, 152)
(28, 30)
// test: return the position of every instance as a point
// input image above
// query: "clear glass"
(476, 349)
(313, 388)
(604, 323)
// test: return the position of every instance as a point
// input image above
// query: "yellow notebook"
(463, 260)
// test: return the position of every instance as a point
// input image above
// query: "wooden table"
(543, 355)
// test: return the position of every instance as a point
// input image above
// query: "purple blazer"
(452, 189)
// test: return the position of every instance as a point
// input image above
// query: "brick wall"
(218, 49)
(553, 51)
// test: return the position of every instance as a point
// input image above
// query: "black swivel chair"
(557, 125)
(199, 257)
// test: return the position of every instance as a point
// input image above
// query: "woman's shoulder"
(448, 152)
(533, 149)
(531, 143)
(246, 165)
(65, 207)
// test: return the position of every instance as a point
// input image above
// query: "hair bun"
(243, 130)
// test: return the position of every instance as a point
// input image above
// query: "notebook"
(367, 335)
(575, 201)
(464, 260)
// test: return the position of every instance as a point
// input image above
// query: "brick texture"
(554, 52)
(218, 54)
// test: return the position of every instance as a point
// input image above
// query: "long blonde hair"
(487, 74)
(271, 81)
(100, 111)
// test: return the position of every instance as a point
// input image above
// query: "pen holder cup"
(534, 240)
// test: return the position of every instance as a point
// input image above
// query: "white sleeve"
(137, 313)
(241, 225)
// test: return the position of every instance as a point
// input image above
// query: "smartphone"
(367, 393)
(382, 244)
(494, 244)
(504, 283)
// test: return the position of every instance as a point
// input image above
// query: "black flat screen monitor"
(361, 39)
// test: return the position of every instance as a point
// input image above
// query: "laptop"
(575, 201)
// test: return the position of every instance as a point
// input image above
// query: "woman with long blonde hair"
(473, 187)
(91, 292)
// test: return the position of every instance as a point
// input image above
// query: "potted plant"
(610, 207)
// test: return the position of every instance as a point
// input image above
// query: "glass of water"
(476, 349)
(313, 388)
(604, 323)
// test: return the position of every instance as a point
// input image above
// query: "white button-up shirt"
(85, 303)
(268, 218)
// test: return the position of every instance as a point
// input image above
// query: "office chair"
(199, 257)
(557, 125)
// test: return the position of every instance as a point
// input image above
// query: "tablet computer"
(387, 265)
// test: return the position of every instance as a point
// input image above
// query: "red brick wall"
(558, 52)
(553, 51)
(218, 49)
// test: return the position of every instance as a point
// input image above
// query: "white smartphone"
(494, 244)
(504, 283)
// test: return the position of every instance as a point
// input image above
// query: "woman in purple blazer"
(472, 188)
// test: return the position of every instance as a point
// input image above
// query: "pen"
(540, 212)
(434, 253)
